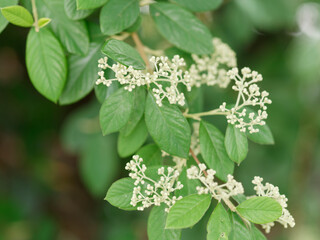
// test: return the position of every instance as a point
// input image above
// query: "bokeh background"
(55, 167)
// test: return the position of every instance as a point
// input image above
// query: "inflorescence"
(149, 192)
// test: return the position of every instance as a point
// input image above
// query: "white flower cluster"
(269, 190)
(165, 78)
(219, 192)
(248, 95)
(211, 69)
(155, 192)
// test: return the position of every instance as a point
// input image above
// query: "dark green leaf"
(46, 63)
(239, 230)
(151, 155)
(18, 15)
(260, 210)
(236, 144)
(188, 211)
(168, 127)
(200, 5)
(189, 185)
(213, 150)
(182, 28)
(219, 225)
(115, 111)
(156, 226)
(70, 7)
(117, 15)
(264, 136)
(90, 4)
(123, 53)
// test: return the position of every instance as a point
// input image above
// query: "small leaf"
(260, 210)
(168, 127)
(213, 150)
(3, 21)
(117, 15)
(46, 63)
(264, 136)
(18, 15)
(156, 226)
(236, 144)
(199, 5)
(188, 211)
(85, 4)
(219, 225)
(123, 53)
(73, 13)
(182, 28)
(120, 194)
(43, 22)
(128, 145)
(151, 155)
(115, 111)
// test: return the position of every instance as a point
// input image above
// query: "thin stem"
(35, 15)
(140, 48)
(197, 116)
(197, 161)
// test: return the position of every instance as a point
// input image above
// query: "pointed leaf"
(151, 155)
(73, 13)
(236, 144)
(3, 21)
(219, 225)
(42, 22)
(18, 15)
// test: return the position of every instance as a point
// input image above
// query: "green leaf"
(189, 185)
(43, 22)
(128, 145)
(134, 27)
(115, 111)
(46, 63)
(213, 150)
(172, 51)
(151, 155)
(82, 74)
(123, 53)
(168, 127)
(257, 234)
(236, 144)
(139, 100)
(239, 230)
(156, 226)
(199, 5)
(98, 163)
(73, 13)
(117, 15)
(72, 34)
(188, 211)
(181, 28)
(120, 194)
(3, 21)
(18, 15)
(219, 225)
(264, 136)
(85, 4)
(260, 210)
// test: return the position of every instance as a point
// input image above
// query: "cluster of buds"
(248, 95)
(150, 192)
(269, 190)
(219, 192)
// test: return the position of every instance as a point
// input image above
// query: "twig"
(197, 161)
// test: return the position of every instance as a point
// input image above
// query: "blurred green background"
(55, 167)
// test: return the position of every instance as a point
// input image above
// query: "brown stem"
(197, 161)
(140, 48)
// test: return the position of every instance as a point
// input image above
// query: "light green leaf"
(151, 155)
(115, 111)
(73, 13)
(17, 15)
(5, 3)
(182, 28)
(139, 100)
(90, 4)
(46, 63)
(199, 5)
(264, 136)
(120, 194)
(117, 15)
(156, 226)
(219, 225)
(42, 22)
(168, 127)
(213, 150)
(82, 74)
(98, 163)
(188, 211)
(128, 145)
(236, 144)
(123, 53)
(260, 210)
(72, 34)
